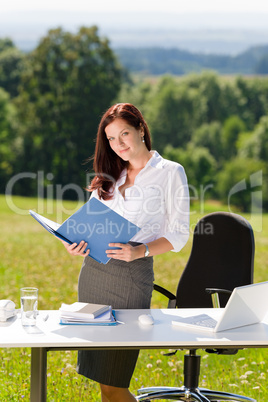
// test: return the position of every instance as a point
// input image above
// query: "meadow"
(29, 256)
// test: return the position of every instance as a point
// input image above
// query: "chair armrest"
(214, 292)
(171, 297)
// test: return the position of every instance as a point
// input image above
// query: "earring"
(142, 140)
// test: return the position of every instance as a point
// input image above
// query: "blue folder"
(96, 224)
(95, 322)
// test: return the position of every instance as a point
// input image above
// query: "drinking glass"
(28, 298)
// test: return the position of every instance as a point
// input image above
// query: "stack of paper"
(86, 313)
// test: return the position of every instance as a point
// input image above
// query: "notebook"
(247, 305)
(82, 311)
(95, 223)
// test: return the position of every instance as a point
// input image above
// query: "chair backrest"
(222, 256)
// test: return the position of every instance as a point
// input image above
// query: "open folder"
(96, 224)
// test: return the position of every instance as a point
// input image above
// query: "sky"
(167, 23)
(173, 6)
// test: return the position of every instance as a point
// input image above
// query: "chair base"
(189, 392)
(188, 395)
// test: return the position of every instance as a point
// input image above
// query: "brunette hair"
(106, 163)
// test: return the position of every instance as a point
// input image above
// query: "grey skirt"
(122, 285)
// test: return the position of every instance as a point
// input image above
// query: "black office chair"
(222, 258)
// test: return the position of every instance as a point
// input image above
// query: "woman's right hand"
(76, 249)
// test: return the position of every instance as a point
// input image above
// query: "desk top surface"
(129, 333)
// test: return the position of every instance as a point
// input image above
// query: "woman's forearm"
(156, 247)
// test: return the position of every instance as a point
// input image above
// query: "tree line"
(51, 101)
(157, 61)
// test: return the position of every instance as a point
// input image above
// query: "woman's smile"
(124, 150)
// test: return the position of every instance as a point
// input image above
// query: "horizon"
(212, 32)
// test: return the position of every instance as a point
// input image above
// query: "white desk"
(50, 335)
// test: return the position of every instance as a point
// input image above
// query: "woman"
(152, 193)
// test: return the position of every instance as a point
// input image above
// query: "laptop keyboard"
(202, 320)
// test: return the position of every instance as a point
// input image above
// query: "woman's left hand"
(126, 252)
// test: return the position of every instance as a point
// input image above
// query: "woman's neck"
(138, 164)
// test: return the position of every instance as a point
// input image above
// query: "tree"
(253, 100)
(9, 144)
(236, 183)
(232, 127)
(209, 88)
(209, 135)
(11, 66)
(6, 43)
(256, 145)
(175, 111)
(69, 81)
(139, 94)
(199, 164)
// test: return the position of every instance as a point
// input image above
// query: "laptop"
(247, 305)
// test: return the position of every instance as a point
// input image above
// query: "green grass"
(31, 257)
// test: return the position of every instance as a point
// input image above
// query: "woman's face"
(125, 140)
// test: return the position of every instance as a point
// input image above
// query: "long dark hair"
(106, 163)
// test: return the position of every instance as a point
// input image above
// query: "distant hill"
(154, 61)
(199, 32)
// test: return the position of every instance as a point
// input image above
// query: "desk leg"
(38, 375)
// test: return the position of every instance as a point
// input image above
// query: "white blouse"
(158, 202)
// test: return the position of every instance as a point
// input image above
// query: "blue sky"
(173, 6)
